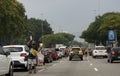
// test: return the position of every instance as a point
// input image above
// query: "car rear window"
(75, 49)
(100, 48)
(13, 49)
(116, 49)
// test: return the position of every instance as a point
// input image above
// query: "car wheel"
(10, 71)
(108, 60)
(48, 60)
(27, 68)
(70, 58)
(111, 60)
(94, 56)
(82, 58)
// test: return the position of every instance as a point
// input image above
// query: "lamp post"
(42, 28)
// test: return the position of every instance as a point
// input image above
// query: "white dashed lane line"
(92, 65)
(96, 69)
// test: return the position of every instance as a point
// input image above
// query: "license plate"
(119, 57)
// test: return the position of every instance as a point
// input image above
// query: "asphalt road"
(87, 67)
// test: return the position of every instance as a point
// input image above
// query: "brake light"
(23, 54)
(113, 53)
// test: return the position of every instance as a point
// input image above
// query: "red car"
(54, 54)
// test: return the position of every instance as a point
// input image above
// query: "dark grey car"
(114, 54)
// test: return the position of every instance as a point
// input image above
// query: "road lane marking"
(41, 70)
(91, 64)
(96, 69)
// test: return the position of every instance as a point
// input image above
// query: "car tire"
(70, 58)
(111, 60)
(108, 60)
(26, 68)
(81, 58)
(10, 71)
(94, 56)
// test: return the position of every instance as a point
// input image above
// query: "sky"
(72, 16)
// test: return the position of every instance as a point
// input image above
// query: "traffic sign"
(111, 35)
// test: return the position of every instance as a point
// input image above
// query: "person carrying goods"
(86, 52)
(40, 55)
(32, 57)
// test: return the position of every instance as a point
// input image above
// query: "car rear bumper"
(115, 57)
(19, 64)
(104, 54)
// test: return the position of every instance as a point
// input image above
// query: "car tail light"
(23, 54)
(113, 53)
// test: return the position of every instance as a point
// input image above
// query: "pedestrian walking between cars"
(32, 56)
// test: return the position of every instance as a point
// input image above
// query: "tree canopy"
(98, 30)
(58, 38)
(12, 15)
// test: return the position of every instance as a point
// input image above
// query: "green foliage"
(98, 30)
(68, 36)
(11, 20)
(37, 28)
(58, 38)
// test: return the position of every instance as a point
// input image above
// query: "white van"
(6, 64)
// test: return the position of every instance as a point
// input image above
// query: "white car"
(18, 53)
(6, 64)
(99, 51)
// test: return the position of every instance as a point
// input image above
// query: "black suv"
(47, 55)
(76, 51)
(114, 54)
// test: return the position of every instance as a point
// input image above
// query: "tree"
(59, 38)
(68, 36)
(11, 20)
(98, 30)
(37, 28)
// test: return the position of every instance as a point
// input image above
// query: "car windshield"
(74, 49)
(13, 49)
(116, 49)
(100, 48)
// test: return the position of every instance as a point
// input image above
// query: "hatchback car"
(6, 64)
(99, 51)
(18, 53)
(114, 54)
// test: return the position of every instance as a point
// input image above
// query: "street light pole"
(42, 27)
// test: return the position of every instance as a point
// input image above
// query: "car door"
(3, 62)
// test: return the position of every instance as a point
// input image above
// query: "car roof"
(75, 47)
(14, 45)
